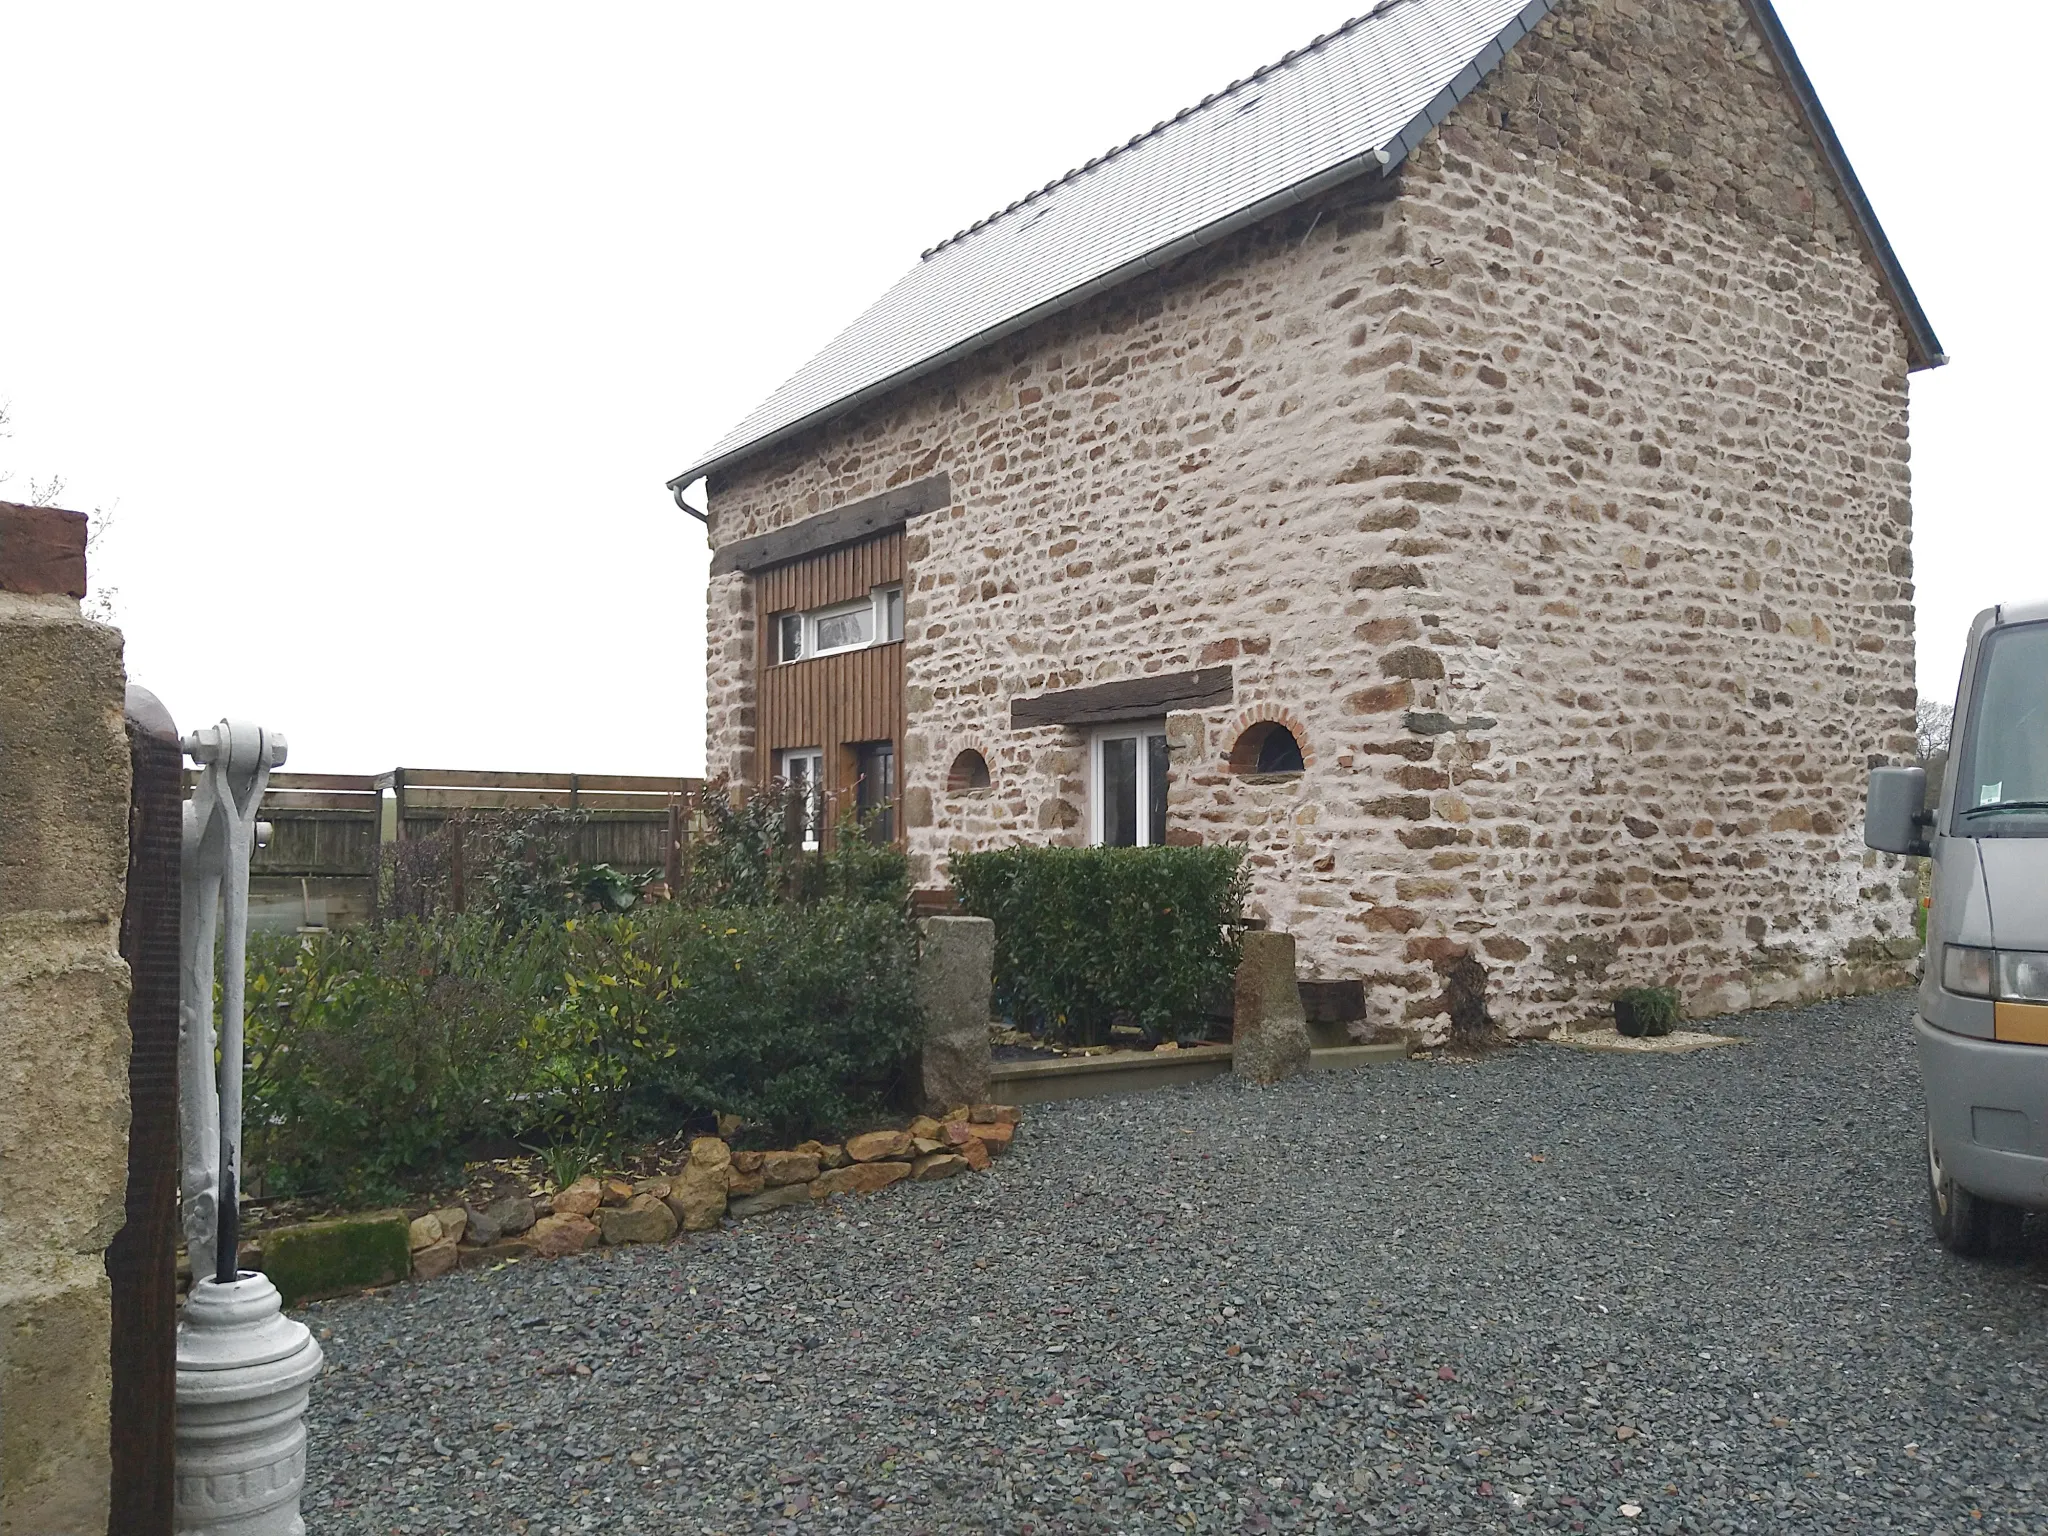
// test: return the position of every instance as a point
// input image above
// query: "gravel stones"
(1218, 1310)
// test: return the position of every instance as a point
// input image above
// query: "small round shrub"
(1641, 1012)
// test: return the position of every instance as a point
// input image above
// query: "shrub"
(1640, 1011)
(520, 866)
(373, 1053)
(752, 856)
(1088, 937)
(796, 1018)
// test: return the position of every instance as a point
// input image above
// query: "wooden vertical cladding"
(830, 702)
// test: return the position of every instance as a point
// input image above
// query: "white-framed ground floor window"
(803, 770)
(1127, 773)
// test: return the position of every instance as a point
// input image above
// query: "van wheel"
(1968, 1224)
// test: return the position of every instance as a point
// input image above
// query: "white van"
(1983, 1024)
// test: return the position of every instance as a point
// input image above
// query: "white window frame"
(881, 631)
(781, 632)
(818, 616)
(815, 780)
(1141, 730)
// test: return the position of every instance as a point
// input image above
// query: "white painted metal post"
(244, 1369)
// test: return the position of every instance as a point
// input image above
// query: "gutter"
(1373, 162)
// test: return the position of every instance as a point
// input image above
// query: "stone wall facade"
(63, 1024)
(1559, 503)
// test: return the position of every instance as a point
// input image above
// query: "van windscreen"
(2002, 768)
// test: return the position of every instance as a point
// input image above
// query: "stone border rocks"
(713, 1184)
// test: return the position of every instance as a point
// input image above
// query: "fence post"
(455, 872)
(672, 865)
(142, 1259)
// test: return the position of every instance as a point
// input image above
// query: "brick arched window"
(969, 772)
(1268, 748)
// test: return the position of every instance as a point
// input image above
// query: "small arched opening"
(968, 773)
(1269, 750)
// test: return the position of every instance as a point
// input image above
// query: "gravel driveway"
(1546, 1290)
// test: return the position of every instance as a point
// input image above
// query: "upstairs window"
(876, 619)
(847, 628)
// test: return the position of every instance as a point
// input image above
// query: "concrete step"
(1087, 1077)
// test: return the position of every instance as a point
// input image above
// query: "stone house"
(1464, 463)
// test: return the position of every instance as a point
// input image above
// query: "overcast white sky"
(380, 326)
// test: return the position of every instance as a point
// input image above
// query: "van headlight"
(1967, 972)
(2012, 975)
(2022, 978)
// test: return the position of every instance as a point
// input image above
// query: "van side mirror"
(1894, 818)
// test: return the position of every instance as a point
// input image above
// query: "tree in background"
(1932, 724)
(1933, 721)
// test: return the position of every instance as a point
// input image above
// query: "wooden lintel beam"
(1106, 703)
(828, 530)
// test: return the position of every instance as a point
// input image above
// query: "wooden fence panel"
(329, 831)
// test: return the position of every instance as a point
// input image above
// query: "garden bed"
(503, 1213)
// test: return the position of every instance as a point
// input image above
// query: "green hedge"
(1090, 937)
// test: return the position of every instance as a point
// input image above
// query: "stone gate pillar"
(63, 1024)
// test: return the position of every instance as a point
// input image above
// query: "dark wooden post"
(142, 1259)
(672, 866)
(455, 872)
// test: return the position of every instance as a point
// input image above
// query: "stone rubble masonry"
(63, 1025)
(1559, 504)
(1269, 1028)
(955, 970)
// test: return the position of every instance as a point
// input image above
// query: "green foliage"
(1640, 1011)
(753, 856)
(568, 1161)
(795, 1018)
(373, 1053)
(521, 870)
(376, 1053)
(1089, 937)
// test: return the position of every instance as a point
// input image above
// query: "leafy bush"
(1640, 1011)
(1090, 937)
(374, 1054)
(753, 856)
(520, 870)
(795, 1018)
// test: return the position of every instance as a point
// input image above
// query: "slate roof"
(1352, 103)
